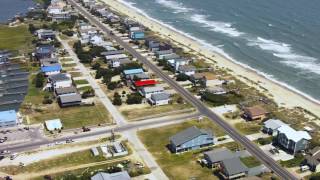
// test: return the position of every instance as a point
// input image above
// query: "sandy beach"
(281, 94)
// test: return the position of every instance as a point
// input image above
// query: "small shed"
(95, 151)
(54, 124)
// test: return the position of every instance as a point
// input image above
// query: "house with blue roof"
(51, 69)
(132, 72)
(8, 118)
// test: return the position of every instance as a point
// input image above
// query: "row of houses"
(61, 84)
(58, 10)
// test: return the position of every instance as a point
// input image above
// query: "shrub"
(39, 80)
(68, 33)
(134, 98)
(182, 77)
(112, 85)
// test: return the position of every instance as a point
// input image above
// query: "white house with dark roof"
(292, 140)
(159, 99)
(60, 80)
(190, 139)
(187, 69)
(148, 91)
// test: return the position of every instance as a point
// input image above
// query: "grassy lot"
(296, 161)
(75, 74)
(86, 173)
(17, 39)
(248, 127)
(72, 159)
(63, 60)
(250, 161)
(84, 88)
(67, 65)
(182, 166)
(73, 117)
(154, 111)
(81, 81)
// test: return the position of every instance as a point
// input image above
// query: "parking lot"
(18, 134)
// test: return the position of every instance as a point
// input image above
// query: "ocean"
(278, 39)
(9, 8)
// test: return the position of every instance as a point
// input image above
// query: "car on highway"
(5, 152)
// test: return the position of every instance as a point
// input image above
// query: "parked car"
(13, 156)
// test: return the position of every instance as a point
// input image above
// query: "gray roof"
(65, 90)
(152, 89)
(49, 60)
(273, 124)
(313, 157)
(69, 98)
(160, 96)
(60, 77)
(218, 155)
(187, 135)
(106, 53)
(185, 68)
(123, 175)
(234, 166)
(140, 76)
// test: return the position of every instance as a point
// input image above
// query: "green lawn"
(250, 161)
(73, 117)
(81, 82)
(248, 127)
(177, 166)
(84, 88)
(72, 159)
(75, 74)
(34, 95)
(154, 110)
(17, 39)
(67, 65)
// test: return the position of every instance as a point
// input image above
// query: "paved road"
(251, 147)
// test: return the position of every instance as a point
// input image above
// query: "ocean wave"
(287, 55)
(178, 7)
(220, 51)
(216, 26)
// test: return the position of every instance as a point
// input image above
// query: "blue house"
(8, 118)
(132, 72)
(190, 139)
(52, 69)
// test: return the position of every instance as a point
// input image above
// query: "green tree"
(39, 80)
(134, 98)
(112, 85)
(182, 77)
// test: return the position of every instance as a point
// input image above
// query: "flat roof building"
(54, 124)
(8, 118)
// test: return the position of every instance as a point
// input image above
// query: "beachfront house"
(152, 45)
(312, 159)
(190, 139)
(67, 100)
(159, 99)
(291, 140)
(233, 168)
(136, 33)
(162, 53)
(254, 113)
(8, 118)
(123, 175)
(148, 91)
(54, 124)
(199, 79)
(187, 69)
(60, 80)
(271, 126)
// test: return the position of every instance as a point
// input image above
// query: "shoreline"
(281, 93)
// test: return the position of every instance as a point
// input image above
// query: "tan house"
(255, 113)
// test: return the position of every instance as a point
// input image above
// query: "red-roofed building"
(146, 82)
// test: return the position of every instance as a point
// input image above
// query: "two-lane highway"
(251, 147)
